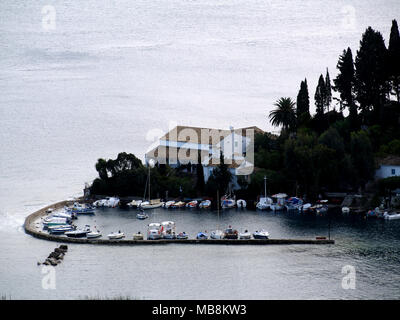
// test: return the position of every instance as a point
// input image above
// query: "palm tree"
(285, 113)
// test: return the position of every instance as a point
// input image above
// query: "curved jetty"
(32, 226)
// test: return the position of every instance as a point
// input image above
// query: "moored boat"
(60, 229)
(246, 235)
(241, 204)
(202, 236)
(78, 233)
(116, 235)
(182, 236)
(280, 202)
(152, 204)
(294, 204)
(262, 234)
(168, 230)
(134, 203)
(169, 204)
(264, 203)
(231, 233)
(205, 204)
(227, 203)
(391, 215)
(177, 205)
(141, 215)
(154, 231)
(192, 204)
(217, 234)
(138, 236)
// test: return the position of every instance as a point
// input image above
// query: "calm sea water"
(115, 73)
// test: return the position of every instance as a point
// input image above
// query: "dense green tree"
(371, 85)
(220, 177)
(344, 83)
(284, 115)
(320, 96)
(328, 91)
(394, 59)
(362, 157)
(200, 174)
(303, 104)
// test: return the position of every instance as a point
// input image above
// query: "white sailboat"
(150, 204)
(265, 202)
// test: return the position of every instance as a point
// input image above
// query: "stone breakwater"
(33, 227)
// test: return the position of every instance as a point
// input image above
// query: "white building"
(184, 145)
(388, 167)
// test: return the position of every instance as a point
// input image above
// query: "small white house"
(388, 167)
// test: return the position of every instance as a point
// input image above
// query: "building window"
(393, 171)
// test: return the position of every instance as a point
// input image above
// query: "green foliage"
(362, 157)
(394, 59)
(284, 115)
(320, 96)
(220, 178)
(371, 85)
(303, 105)
(126, 175)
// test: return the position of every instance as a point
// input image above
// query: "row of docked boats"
(167, 230)
(292, 204)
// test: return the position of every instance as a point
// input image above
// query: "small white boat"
(264, 203)
(141, 215)
(154, 231)
(294, 204)
(391, 215)
(93, 234)
(246, 235)
(306, 207)
(182, 236)
(261, 234)
(177, 205)
(116, 235)
(192, 204)
(138, 236)
(227, 203)
(152, 204)
(345, 210)
(217, 234)
(110, 202)
(169, 204)
(55, 221)
(134, 203)
(241, 204)
(280, 202)
(168, 230)
(205, 204)
(202, 236)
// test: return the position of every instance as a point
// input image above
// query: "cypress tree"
(200, 174)
(371, 85)
(344, 83)
(394, 59)
(328, 91)
(320, 96)
(303, 103)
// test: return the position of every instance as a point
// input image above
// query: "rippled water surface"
(112, 72)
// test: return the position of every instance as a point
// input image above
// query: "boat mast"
(218, 208)
(265, 186)
(149, 183)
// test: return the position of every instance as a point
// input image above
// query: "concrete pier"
(32, 226)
